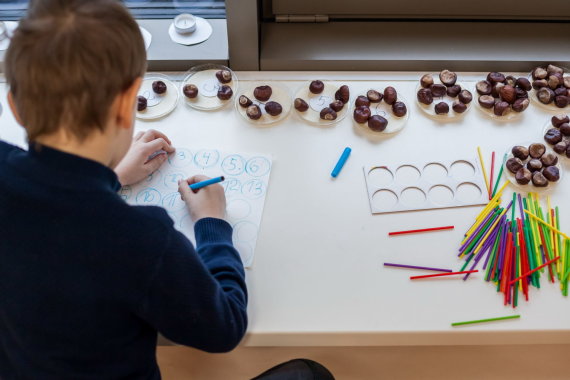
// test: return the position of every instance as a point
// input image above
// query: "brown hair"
(67, 62)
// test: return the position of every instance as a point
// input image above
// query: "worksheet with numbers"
(245, 185)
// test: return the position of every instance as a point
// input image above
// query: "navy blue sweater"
(86, 280)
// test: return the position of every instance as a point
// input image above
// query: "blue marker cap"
(341, 161)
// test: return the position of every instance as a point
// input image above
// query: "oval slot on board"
(468, 192)
(462, 170)
(413, 197)
(407, 175)
(441, 195)
(380, 176)
(434, 172)
(384, 200)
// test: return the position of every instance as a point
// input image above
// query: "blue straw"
(211, 181)
(341, 162)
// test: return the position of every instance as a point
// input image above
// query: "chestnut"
(426, 81)
(551, 173)
(190, 91)
(521, 104)
(374, 96)
(566, 82)
(554, 81)
(300, 105)
(399, 109)
(225, 92)
(342, 94)
(316, 87)
(536, 150)
(551, 69)
(425, 96)
(534, 165)
(559, 119)
(438, 90)
(520, 93)
(328, 113)
(458, 106)
(514, 164)
(377, 123)
(484, 87)
(539, 180)
(448, 78)
(561, 147)
(496, 90)
(262, 93)
(565, 129)
(362, 114)
(508, 94)
(523, 83)
(540, 83)
(224, 76)
(362, 101)
(553, 136)
(486, 101)
(253, 112)
(520, 152)
(159, 87)
(568, 151)
(390, 95)
(465, 96)
(523, 176)
(273, 108)
(141, 103)
(501, 108)
(454, 90)
(495, 77)
(545, 95)
(511, 80)
(561, 101)
(441, 108)
(560, 91)
(549, 159)
(539, 73)
(244, 101)
(336, 105)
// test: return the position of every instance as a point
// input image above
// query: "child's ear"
(126, 106)
(12, 104)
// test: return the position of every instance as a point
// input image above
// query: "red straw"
(491, 179)
(422, 230)
(443, 274)
(532, 271)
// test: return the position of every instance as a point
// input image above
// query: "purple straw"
(416, 267)
(494, 239)
(486, 247)
(477, 230)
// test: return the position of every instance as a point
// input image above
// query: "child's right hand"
(207, 202)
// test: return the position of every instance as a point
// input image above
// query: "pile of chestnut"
(341, 96)
(158, 87)
(377, 123)
(225, 92)
(262, 94)
(551, 85)
(503, 93)
(533, 164)
(448, 86)
(559, 135)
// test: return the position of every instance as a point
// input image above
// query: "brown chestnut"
(523, 176)
(551, 69)
(362, 114)
(342, 94)
(551, 173)
(534, 165)
(377, 123)
(523, 83)
(520, 93)
(336, 105)
(553, 136)
(316, 87)
(159, 87)
(374, 96)
(496, 91)
(510, 80)
(539, 73)
(362, 101)
(190, 91)
(539, 180)
(399, 109)
(540, 83)
(536, 150)
(565, 129)
(441, 108)
(244, 101)
(273, 108)
(484, 87)
(495, 77)
(224, 76)
(568, 151)
(520, 152)
(521, 104)
(566, 82)
(514, 164)
(501, 108)
(559, 119)
(438, 90)
(300, 105)
(508, 94)
(486, 101)
(454, 90)
(458, 106)
(253, 112)
(328, 113)
(561, 101)
(425, 96)
(225, 92)
(426, 80)
(545, 95)
(448, 78)
(465, 96)
(141, 103)
(560, 91)
(262, 93)
(549, 159)
(554, 81)
(390, 95)
(560, 148)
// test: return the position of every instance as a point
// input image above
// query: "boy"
(86, 280)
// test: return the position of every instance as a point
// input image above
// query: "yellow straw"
(476, 224)
(547, 225)
(484, 170)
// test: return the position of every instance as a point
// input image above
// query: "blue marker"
(341, 162)
(211, 181)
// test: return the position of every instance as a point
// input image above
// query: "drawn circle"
(204, 77)
(434, 172)
(231, 186)
(171, 180)
(158, 105)
(209, 87)
(206, 158)
(468, 192)
(253, 189)
(317, 103)
(238, 209)
(245, 251)
(380, 176)
(181, 158)
(173, 202)
(125, 192)
(148, 197)
(441, 195)
(257, 166)
(384, 200)
(462, 170)
(407, 174)
(245, 231)
(413, 197)
(153, 177)
(233, 164)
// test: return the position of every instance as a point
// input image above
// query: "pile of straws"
(517, 250)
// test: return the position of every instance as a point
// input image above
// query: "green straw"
(485, 320)
(500, 174)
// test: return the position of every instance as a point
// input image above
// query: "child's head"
(69, 62)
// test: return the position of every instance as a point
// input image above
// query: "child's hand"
(207, 202)
(138, 163)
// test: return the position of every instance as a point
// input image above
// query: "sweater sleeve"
(199, 299)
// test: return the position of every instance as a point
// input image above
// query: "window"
(14, 9)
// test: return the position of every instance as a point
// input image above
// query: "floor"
(536, 362)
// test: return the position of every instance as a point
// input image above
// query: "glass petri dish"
(319, 101)
(204, 77)
(280, 94)
(429, 109)
(395, 123)
(158, 105)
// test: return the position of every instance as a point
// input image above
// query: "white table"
(317, 278)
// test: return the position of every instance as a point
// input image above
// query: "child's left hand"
(138, 163)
